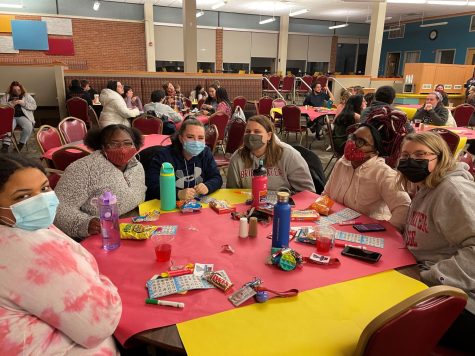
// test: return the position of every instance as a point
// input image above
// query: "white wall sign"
(57, 26)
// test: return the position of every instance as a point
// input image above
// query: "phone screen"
(369, 227)
(365, 255)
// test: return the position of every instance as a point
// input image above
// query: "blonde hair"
(273, 150)
(445, 159)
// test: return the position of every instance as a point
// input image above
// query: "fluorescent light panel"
(298, 12)
(218, 5)
(338, 26)
(445, 2)
(12, 6)
(392, 29)
(200, 13)
(269, 20)
(434, 24)
(96, 5)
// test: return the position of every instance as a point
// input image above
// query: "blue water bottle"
(281, 225)
(167, 187)
(109, 216)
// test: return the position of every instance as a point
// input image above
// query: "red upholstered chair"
(72, 129)
(234, 140)
(67, 155)
(6, 124)
(148, 124)
(275, 81)
(211, 137)
(200, 103)
(221, 120)
(322, 80)
(92, 115)
(278, 103)
(414, 326)
(291, 122)
(79, 108)
(454, 141)
(305, 85)
(239, 101)
(287, 85)
(187, 103)
(48, 137)
(264, 105)
(463, 113)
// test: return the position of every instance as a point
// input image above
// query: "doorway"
(392, 64)
(470, 59)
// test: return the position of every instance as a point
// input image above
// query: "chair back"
(330, 136)
(220, 119)
(79, 108)
(48, 137)
(306, 79)
(264, 105)
(414, 326)
(291, 118)
(454, 141)
(235, 136)
(188, 103)
(67, 155)
(315, 166)
(148, 124)
(278, 103)
(463, 113)
(6, 119)
(239, 101)
(322, 80)
(211, 137)
(288, 83)
(72, 129)
(275, 81)
(200, 103)
(147, 154)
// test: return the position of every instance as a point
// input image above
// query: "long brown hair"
(16, 84)
(273, 150)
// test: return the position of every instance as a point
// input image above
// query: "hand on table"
(94, 227)
(186, 194)
(201, 189)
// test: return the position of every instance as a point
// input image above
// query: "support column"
(189, 36)
(149, 35)
(219, 50)
(333, 51)
(283, 43)
(378, 15)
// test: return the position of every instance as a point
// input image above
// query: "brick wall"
(98, 44)
(219, 50)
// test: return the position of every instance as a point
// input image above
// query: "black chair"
(146, 155)
(315, 166)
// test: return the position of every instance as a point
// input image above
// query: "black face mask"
(416, 170)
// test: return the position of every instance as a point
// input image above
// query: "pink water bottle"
(259, 185)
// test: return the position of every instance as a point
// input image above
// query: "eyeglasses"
(126, 144)
(417, 155)
(359, 142)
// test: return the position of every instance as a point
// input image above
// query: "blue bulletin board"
(32, 35)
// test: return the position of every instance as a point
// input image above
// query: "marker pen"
(164, 303)
(349, 222)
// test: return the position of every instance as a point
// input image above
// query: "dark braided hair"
(12, 162)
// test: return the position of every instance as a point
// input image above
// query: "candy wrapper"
(219, 280)
(322, 205)
(153, 215)
(188, 206)
(304, 215)
(136, 231)
(221, 206)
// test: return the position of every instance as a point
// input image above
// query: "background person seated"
(196, 172)
(159, 108)
(210, 104)
(131, 100)
(350, 115)
(198, 93)
(362, 181)
(174, 99)
(115, 110)
(111, 167)
(285, 166)
(224, 105)
(53, 300)
(75, 90)
(433, 111)
(439, 88)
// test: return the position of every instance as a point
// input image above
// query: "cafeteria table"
(334, 305)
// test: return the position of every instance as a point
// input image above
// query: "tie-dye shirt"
(53, 301)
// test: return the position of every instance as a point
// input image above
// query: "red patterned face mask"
(353, 153)
(120, 156)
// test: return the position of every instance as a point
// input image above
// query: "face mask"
(35, 213)
(193, 147)
(120, 156)
(416, 170)
(253, 142)
(353, 153)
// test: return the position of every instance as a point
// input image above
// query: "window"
(445, 56)
(296, 67)
(206, 67)
(412, 56)
(346, 58)
(262, 65)
(317, 67)
(235, 67)
(472, 24)
(169, 66)
(396, 31)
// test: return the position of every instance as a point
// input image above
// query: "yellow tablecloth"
(233, 196)
(410, 112)
(325, 321)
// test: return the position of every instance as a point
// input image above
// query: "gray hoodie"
(440, 232)
(291, 172)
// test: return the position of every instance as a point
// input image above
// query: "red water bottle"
(259, 185)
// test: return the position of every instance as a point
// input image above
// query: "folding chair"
(79, 108)
(291, 122)
(463, 113)
(148, 124)
(72, 129)
(6, 124)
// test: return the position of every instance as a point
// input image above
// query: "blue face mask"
(193, 147)
(35, 213)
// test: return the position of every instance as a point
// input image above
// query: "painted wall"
(454, 35)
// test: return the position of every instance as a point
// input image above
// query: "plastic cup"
(162, 245)
(325, 236)
(96, 98)
(417, 123)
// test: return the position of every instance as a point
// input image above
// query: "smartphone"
(359, 253)
(369, 227)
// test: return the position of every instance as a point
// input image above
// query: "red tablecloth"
(149, 140)
(461, 131)
(314, 113)
(130, 266)
(203, 118)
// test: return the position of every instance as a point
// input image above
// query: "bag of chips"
(136, 231)
(322, 205)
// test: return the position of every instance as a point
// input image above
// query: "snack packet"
(136, 231)
(322, 205)
(221, 206)
(153, 215)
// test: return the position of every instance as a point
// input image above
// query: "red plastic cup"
(324, 238)
(163, 247)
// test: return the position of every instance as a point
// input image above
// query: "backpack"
(391, 125)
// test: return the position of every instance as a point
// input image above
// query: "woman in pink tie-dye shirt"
(52, 298)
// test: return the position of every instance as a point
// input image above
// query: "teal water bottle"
(329, 104)
(167, 187)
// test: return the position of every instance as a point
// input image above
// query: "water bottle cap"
(283, 197)
(167, 169)
(107, 198)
